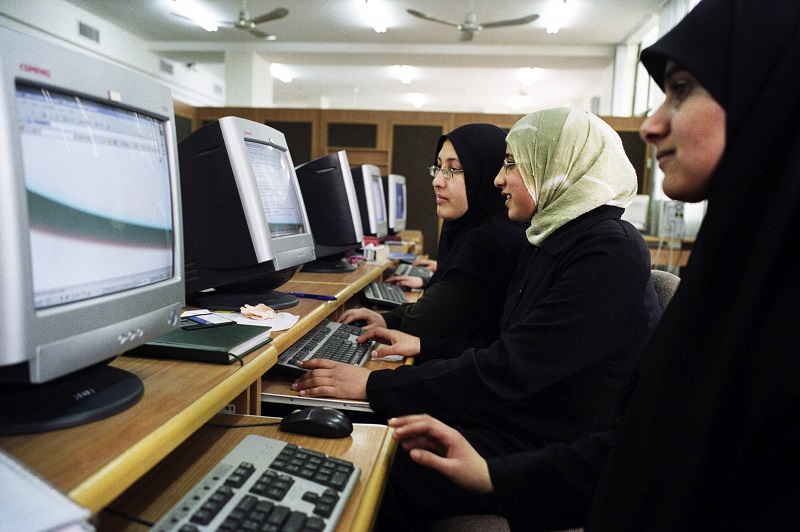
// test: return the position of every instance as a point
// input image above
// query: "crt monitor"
(371, 199)
(394, 186)
(332, 206)
(90, 232)
(246, 231)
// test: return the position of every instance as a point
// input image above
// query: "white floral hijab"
(571, 162)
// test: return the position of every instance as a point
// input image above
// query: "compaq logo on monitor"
(86, 393)
(248, 133)
(34, 70)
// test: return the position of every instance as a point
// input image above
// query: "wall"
(57, 21)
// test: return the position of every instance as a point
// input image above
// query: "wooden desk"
(370, 447)
(96, 462)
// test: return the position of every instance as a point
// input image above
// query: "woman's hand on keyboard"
(433, 444)
(372, 318)
(426, 263)
(332, 379)
(398, 343)
(407, 281)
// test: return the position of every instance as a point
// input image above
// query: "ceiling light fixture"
(404, 74)
(281, 72)
(529, 75)
(519, 101)
(416, 99)
(558, 17)
(196, 13)
(376, 15)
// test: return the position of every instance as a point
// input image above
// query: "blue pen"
(314, 296)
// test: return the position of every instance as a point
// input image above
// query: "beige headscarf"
(571, 162)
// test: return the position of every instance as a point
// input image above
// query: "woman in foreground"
(710, 439)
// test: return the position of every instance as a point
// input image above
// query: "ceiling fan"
(470, 26)
(244, 22)
(249, 24)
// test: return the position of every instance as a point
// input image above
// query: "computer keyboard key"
(384, 294)
(269, 497)
(329, 340)
(240, 475)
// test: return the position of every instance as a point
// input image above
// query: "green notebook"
(220, 345)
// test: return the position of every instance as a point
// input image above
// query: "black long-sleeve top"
(578, 312)
(466, 301)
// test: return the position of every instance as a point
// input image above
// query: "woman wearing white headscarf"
(579, 310)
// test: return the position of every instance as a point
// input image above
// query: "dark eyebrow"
(671, 70)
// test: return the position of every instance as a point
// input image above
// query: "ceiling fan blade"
(272, 15)
(423, 16)
(510, 22)
(258, 33)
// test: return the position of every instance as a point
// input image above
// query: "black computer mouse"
(319, 421)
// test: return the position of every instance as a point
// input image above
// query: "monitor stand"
(329, 265)
(233, 300)
(82, 397)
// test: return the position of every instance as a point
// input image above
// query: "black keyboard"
(384, 294)
(328, 339)
(266, 484)
(413, 271)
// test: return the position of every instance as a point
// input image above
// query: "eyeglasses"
(448, 173)
(508, 165)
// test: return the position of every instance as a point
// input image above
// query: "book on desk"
(219, 345)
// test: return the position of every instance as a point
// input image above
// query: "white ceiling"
(337, 60)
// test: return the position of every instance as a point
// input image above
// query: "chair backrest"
(665, 284)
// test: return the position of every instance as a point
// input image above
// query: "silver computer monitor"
(90, 231)
(371, 199)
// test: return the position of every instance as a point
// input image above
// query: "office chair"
(665, 284)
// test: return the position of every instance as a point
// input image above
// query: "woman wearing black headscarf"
(478, 245)
(711, 439)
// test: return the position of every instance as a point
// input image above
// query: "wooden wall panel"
(392, 148)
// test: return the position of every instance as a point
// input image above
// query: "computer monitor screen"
(246, 231)
(276, 189)
(396, 195)
(71, 218)
(91, 263)
(371, 199)
(330, 198)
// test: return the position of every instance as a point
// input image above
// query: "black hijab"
(711, 439)
(483, 241)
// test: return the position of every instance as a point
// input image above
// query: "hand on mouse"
(433, 444)
(406, 281)
(400, 343)
(372, 318)
(332, 379)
